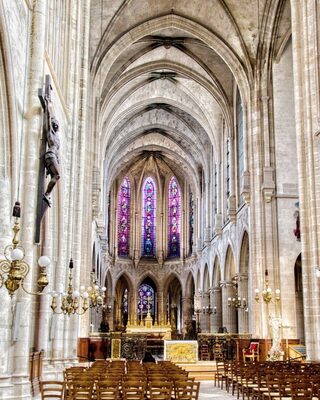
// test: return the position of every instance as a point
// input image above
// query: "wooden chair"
(219, 373)
(187, 390)
(251, 353)
(301, 390)
(107, 390)
(133, 390)
(52, 389)
(82, 389)
(160, 390)
(204, 352)
(218, 352)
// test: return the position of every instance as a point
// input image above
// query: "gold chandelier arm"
(29, 292)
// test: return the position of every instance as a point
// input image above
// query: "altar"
(157, 331)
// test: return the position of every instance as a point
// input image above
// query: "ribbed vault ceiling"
(164, 74)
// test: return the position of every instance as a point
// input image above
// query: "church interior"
(160, 182)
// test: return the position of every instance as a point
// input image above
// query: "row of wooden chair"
(130, 381)
(270, 380)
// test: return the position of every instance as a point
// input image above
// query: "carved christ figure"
(51, 157)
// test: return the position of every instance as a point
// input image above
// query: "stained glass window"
(148, 218)
(191, 221)
(146, 300)
(174, 205)
(124, 218)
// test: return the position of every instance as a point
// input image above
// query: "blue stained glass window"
(146, 300)
(174, 214)
(149, 218)
(124, 218)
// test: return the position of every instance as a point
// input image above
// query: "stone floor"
(208, 392)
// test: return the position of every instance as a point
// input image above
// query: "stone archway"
(174, 305)
(243, 285)
(121, 309)
(229, 313)
(147, 300)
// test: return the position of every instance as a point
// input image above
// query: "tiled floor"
(208, 392)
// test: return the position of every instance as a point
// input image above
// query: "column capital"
(224, 284)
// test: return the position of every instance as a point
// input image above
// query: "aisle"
(208, 392)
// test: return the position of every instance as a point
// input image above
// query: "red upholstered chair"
(252, 352)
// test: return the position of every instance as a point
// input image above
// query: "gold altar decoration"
(181, 351)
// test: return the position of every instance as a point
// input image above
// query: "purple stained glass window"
(124, 218)
(146, 300)
(174, 215)
(149, 218)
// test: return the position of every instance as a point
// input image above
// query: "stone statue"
(51, 157)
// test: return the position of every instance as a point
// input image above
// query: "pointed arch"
(229, 268)
(244, 254)
(216, 275)
(206, 279)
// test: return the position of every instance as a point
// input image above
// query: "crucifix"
(49, 154)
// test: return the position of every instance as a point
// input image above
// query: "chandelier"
(14, 269)
(267, 293)
(96, 294)
(72, 301)
(236, 301)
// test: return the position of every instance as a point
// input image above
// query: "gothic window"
(149, 218)
(146, 300)
(240, 144)
(191, 221)
(124, 218)
(174, 208)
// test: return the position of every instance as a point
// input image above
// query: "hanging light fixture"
(70, 302)
(237, 301)
(14, 269)
(96, 294)
(267, 293)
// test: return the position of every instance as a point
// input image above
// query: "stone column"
(205, 316)
(306, 46)
(6, 302)
(161, 308)
(229, 314)
(29, 177)
(243, 321)
(217, 309)
(187, 304)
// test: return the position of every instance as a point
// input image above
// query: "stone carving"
(49, 154)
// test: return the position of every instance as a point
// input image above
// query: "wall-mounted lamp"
(14, 269)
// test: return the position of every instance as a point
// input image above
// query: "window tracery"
(174, 215)
(148, 218)
(124, 218)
